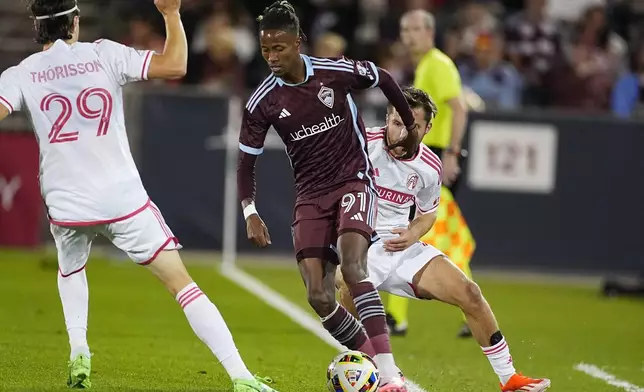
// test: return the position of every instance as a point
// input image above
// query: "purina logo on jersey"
(326, 96)
(412, 181)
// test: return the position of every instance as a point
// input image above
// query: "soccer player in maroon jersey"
(308, 102)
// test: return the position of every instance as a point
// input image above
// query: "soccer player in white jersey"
(408, 172)
(73, 93)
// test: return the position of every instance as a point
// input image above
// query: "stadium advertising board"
(512, 157)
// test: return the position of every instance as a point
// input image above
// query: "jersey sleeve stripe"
(424, 212)
(331, 61)
(376, 74)
(333, 68)
(98, 41)
(251, 150)
(146, 65)
(260, 88)
(6, 103)
(431, 163)
(433, 159)
(252, 104)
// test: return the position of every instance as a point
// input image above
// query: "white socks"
(210, 327)
(501, 360)
(74, 295)
(386, 365)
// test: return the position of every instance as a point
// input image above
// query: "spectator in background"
(628, 93)
(470, 22)
(533, 44)
(582, 80)
(594, 32)
(144, 36)
(496, 81)
(222, 46)
(220, 69)
(329, 45)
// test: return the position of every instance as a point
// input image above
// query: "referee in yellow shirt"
(437, 75)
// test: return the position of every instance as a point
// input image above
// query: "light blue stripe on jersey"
(330, 68)
(267, 89)
(260, 92)
(363, 144)
(331, 61)
(375, 73)
(349, 68)
(251, 150)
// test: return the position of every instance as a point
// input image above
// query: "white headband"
(57, 15)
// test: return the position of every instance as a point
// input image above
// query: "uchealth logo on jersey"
(326, 96)
(412, 181)
(328, 123)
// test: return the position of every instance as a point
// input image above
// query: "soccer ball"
(352, 371)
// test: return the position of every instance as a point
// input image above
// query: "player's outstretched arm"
(394, 95)
(4, 112)
(173, 63)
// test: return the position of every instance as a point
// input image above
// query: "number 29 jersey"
(73, 97)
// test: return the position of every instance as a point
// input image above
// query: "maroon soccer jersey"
(318, 122)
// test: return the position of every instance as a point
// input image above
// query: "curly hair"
(53, 28)
(417, 98)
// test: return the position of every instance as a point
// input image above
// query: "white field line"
(596, 372)
(291, 310)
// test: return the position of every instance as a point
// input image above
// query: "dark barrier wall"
(592, 217)
(539, 192)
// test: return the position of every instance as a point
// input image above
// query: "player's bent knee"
(354, 273)
(472, 296)
(321, 301)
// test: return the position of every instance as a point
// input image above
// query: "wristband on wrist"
(250, 210)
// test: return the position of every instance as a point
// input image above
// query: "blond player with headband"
(73, 93)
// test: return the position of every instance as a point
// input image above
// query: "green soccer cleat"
(253, 385)
(79, 370)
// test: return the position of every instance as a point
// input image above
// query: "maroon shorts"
(318, 222)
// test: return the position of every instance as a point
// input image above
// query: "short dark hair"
(54, 28)
(416, 99)
(281, 15)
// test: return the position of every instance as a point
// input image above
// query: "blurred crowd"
(581, 55)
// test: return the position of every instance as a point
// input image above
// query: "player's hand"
(405, 239)
(167, 7)
(451, 169)
(257, 231)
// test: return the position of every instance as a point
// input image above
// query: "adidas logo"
(284, 113)
(357, 217)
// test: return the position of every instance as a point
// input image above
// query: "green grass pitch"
(141, 341)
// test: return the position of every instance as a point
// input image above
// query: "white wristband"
(250, 210)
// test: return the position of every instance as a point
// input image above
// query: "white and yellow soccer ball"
(352, 371)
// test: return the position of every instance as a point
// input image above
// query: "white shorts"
(393, 272)
(141, 236)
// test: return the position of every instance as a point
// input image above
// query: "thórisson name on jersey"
(329, 122)
(66, 71)
(394, 196)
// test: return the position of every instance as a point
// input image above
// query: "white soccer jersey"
(73, 95)
(401, 183)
